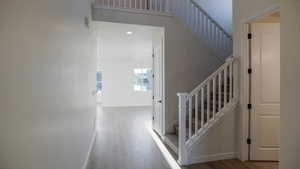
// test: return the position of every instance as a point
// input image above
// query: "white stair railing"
(204, 106)
(202, 24)
(163, 6)
(189, 12)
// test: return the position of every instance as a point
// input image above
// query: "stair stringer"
(195, 146)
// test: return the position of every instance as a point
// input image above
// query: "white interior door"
(158, 89)
(265, 125)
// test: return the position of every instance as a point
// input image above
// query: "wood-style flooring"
(235, 164)
(123, 142)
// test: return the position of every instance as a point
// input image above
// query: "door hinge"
(249, 71)
(249, 35)
(152, 75)
(153, 118)
(152, 97)
(152, 55)
(249, 141)
(249, 106)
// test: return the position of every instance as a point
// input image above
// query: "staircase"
(200, 109)
(213, 100)
(188, 12)
(203, 107)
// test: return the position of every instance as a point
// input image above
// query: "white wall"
(120, 55)
(219, 143)
(243, 11)
(188, 61)
(290, 61)
(47, 75)
(219, 10)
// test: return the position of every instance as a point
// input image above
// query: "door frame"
(162, 87)
(245, 128)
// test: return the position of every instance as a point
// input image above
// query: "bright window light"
(143, 79)
(129, 33)
(99, 81)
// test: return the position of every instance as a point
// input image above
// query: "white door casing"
(158, 89)
(265, 122)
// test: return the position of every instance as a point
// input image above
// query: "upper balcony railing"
(146, 5)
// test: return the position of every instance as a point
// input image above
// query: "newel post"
(182, 107)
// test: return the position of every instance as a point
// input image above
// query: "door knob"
(159, 101)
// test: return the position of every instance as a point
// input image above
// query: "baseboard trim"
(91, 146)
(213, 157)
(127, 108)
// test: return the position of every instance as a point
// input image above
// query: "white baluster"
(231, 81)
(202, 25)
(191, 16)
(219, 40)
(208, 102)
(211, 33)
(224, 41)
(197, 22)
(190, 117)
(125, 3)
(196, 111)
(214, 97)
(166, 6)
(140, 4)
(202, 107)
(207, 30)
(220, 92)
(195, 18)
(186, 8)
(213, 30)
(135, 4)
(183, 10)
(225, 86)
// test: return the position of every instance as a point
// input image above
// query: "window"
(143, 79)
(99, 81)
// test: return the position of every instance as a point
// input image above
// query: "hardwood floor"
(235, 164)
(266, 165)
(123, 142)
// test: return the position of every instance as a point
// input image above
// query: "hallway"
(123, 141)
